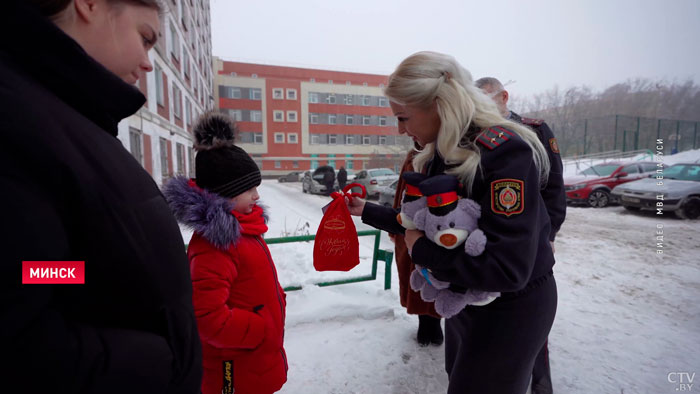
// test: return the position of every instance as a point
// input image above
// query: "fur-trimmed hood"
(206, 213)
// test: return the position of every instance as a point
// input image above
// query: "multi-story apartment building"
(294, 119)
(178, 90)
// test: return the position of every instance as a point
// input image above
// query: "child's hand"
(356, 206)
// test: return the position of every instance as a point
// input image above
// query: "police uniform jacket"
(553, 192)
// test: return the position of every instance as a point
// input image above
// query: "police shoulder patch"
(507, 196)
(553, 145)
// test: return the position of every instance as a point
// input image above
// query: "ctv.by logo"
(684, 380)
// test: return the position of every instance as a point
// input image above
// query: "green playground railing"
(378, 254)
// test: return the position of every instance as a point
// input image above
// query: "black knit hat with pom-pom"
(220, 166)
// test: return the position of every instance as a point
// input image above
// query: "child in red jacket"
(238, 301)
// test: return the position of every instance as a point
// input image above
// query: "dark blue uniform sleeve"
(508, 260)
(553, 194)
(383, 218)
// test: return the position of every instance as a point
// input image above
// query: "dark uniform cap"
(441, 192)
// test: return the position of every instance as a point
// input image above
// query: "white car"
(374, 179)
(680, 190)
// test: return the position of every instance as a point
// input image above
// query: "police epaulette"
(532, 121)
(494, 137)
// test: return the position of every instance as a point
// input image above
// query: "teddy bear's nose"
(448, 239)
(398, 218)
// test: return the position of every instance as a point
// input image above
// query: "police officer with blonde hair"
(501, 165)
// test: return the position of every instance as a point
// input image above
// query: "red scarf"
(251, 223)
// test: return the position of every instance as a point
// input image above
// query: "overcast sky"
(536, 43)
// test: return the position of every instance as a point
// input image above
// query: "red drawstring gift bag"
(336, 247)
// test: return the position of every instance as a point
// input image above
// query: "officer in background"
(342, 178)
(553, 195)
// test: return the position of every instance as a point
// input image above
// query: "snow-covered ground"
(627, 316)
(573, 167)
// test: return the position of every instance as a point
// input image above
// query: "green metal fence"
(377, 254)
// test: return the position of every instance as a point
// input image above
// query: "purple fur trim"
(204, 212)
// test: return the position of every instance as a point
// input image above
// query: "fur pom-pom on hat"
(214, 130)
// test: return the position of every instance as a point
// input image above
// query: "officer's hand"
(356, 206)
(411, 237)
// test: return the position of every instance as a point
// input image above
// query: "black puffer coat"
(70, 191)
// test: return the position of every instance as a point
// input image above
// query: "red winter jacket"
(238, 302)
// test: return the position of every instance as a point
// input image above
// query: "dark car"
(680, 188)
(291, 177)
(315, 182)
(387, 193)
(592, 186)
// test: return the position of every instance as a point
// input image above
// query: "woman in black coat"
(489, 349)
(71, 192)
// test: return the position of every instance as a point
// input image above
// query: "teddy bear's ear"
(419, 218)
(470, 207)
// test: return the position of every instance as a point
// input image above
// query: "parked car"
(291, 177)
(680, 190)
(314, 182)
(592, 186)
(374, 178)
(387, 193)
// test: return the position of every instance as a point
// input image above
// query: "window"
(236, 114)
(255, 116)
(383, 102)
(348, 99)
(348, 164)
(233, 74)
(295, 164)
(235, 93)
(254, 76)
(190, 154)
(188, 112)
(330, 82)
(382, 140)
(177, 102)
(186, 64)
(314, 139)
(365, 100)
(314, 164)
(175, 41)
(277, 94)
(365, 140)
(135, 144)
(349, 139)
(348, 83)
(291, 94)
(279, 138)
(257, 138)
(278, 116)
(292, 138)
(349, 119)
(312, 79)
(313, 98)
(330, 99)
(278, 164)
(382, 120)
(332, 139)
(160, 97)
(630, 169)
(366, 120)
(291, 116)
(255, 94)
(313, 118)
(332, 119)
(164, 158)
(180, 151)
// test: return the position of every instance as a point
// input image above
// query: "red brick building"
(295, 119)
